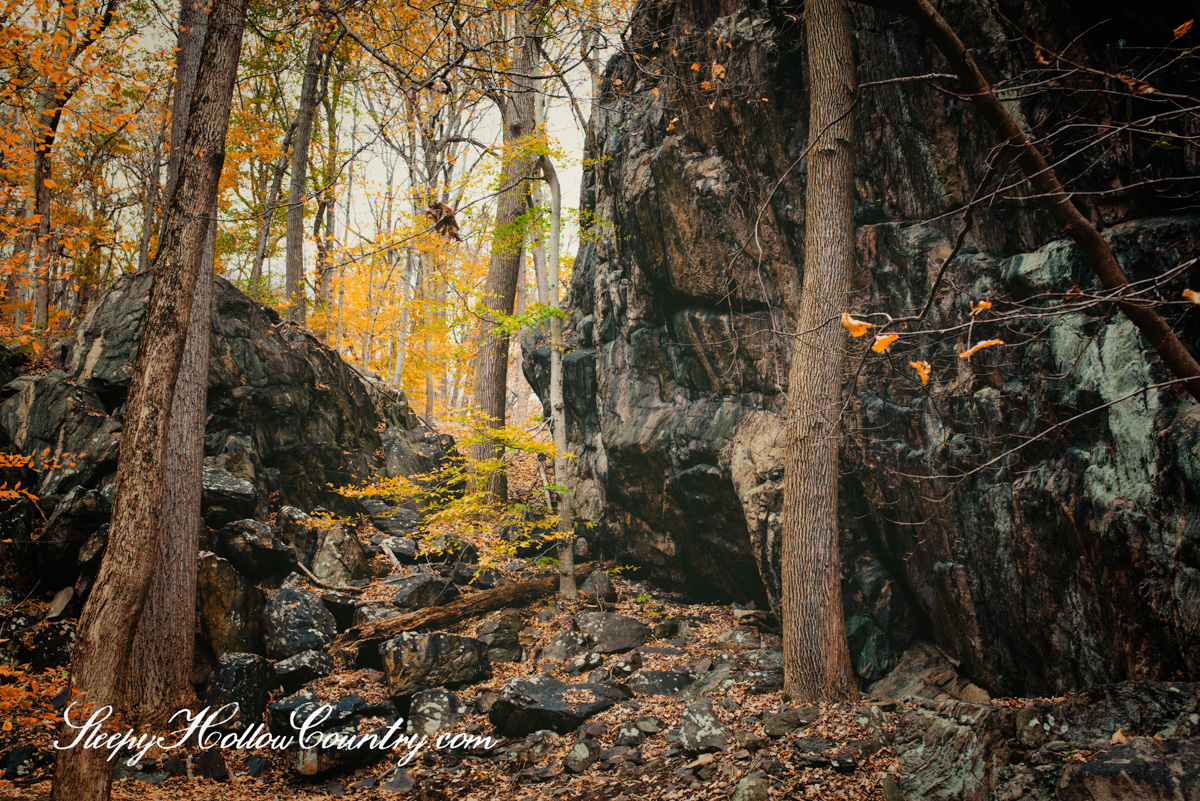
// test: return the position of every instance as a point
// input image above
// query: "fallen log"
(476, 604)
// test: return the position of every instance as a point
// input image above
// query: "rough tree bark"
(500, 290)
(1153, 326)
(159, 678)
(816, 657)
(106, 627)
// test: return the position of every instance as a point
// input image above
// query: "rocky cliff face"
(1042, 549)
(287, 418)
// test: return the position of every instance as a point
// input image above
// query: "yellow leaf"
(1118, 737)
(50, 184)
(705, 85)
(695, 67)
(1184, 28)
(1192, 295)
(981, 306)
(966, 354)
(7, 724)
(883, 342)
(856, 327)
(922, 369)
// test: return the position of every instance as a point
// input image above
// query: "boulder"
(584, 662)
(701, 730)
(342, 606)
(225, 497)
(320, 760)
(295, 621)
(254, 550)
(501, 632)
(340, 558)
(300, 531)
(629, 733)
(422, 590)
(610, 633)
(22, 762)
(296, 671)
(924, 672)
(659, 682)
(403, 548)
(287, 418)
(599, 586)
(526, 705)
(243, 680)
(563, 646)
(230, 607)
(433, 711)
(675, 382)
(46, 644)
(414, 662)
(786, 721)
(373, 613)
(1143, 768)
(582, 756)
(951, 749)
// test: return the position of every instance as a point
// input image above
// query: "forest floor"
(844, 753)
(661, 770)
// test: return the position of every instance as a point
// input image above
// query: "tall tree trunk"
(159, 679)
(558, 408)
(500, 290)
(294, 277)
(816, 657)
(106, 628)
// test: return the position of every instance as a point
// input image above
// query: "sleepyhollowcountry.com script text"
(203, 730)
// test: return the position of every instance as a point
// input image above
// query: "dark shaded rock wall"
(287, 418)
(1074, 560)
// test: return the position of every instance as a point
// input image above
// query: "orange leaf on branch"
(922, 369)
(856, 327)
(987, 343)
(883, 342)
